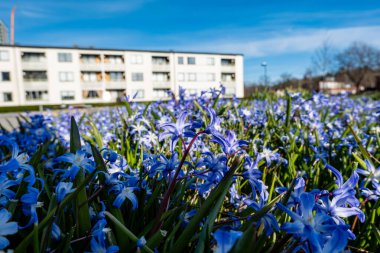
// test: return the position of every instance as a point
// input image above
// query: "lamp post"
(264, 65)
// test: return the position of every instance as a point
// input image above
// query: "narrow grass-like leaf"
(182, 242)
(127, 233)
(22, 246)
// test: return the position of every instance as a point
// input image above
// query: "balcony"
(228, 65)
(92, 84)
(114, 62)
(120, 84)
(33, 60)
(160, 63)
(228, 79)
(35, 79)
(34, 65)
(228, 68)
(90, 62)
(161, 84)
(36, 85)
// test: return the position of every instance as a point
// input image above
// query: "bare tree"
(357, 60)
(323, 59)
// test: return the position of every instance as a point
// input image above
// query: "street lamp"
(264, 65)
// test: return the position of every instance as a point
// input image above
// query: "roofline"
(120, 50)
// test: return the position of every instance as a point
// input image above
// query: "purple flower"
(315, 229)
(225, 239)
(77, 161)
(6, 227)
(176, 130)
(230, 145)
(62, 189)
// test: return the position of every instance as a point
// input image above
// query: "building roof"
(119, 49)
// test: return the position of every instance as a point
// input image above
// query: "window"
(210, 77)
(228, 77)
(138, 77)
(137, 93)
(114, 59)
(160, 60)
(68, 95)
(7, 97)
(5, 76)
(32, 57)
(115, 76)
(230, 91)
(4, 56)
(35, 76)
(88, 76)
(136, 59)
(161, 93)
(210, 61)
(228, 62)
(180, 60)
(181, 76)
(90, 58)
(191, 60)
(66, 76)
(36, 95)
(65, 57)
(92, 93)
(192, 77)
(161, 76)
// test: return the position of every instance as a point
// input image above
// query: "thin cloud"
(299, 41)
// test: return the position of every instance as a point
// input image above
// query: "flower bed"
(198, 174)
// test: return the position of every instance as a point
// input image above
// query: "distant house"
(372, 80)
(331, 86)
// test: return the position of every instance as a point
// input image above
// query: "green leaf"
(246, 243)
(22, 246)
(146, 109)
(221, 190)
(359, 160)
(126, 232)
(81, 206)
(74, 137)
(359, 142)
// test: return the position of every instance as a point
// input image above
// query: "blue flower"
(29, 205)
(166, 166)
(214, 122)
(6, 227)
(315, 229)
(371, 173)
(253, 174)
(372, 194)
(299, 188)
(175, 130)
(268, 220)
(345, 189)
(77, 161)
(230, 145)
(337, 208)
(123, 193)
(98, 241)
(225, 239)
(5, 183)
(62, 189)
(109, 155)
(141, 242)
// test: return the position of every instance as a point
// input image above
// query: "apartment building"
(3, 33)
(31, 75)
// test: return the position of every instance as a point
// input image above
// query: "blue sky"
(283, 33)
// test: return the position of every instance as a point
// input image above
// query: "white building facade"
(31, 75)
